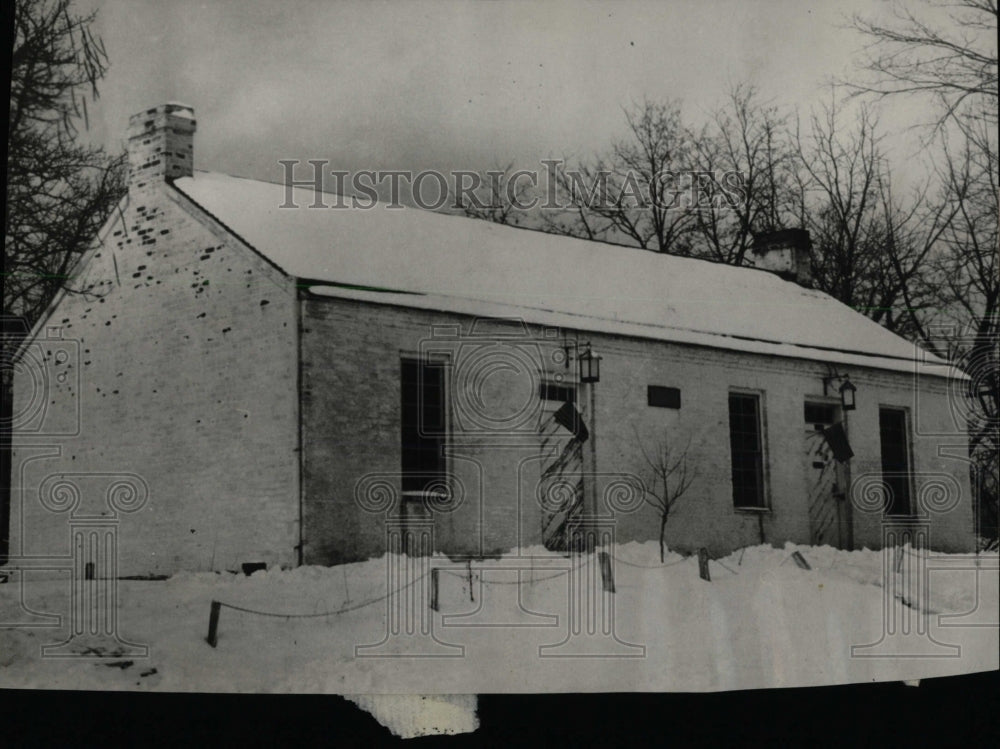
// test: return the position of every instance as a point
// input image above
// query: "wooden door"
(824, 477)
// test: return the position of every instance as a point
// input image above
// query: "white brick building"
(282, 379)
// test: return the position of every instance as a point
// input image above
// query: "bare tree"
(500, 195)
(635, 193)
(670, 478)
(58, 191)
(842, 168)
(872, 246)
(947, 50)
(746, 144)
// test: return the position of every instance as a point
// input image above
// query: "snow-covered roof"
(423, 259)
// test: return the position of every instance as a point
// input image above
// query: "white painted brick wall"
(186, 376)
(354, 348)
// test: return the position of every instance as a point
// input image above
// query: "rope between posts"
(654, 566)
(724, 566)
(483, 580)
(355, 607)
(321, 614)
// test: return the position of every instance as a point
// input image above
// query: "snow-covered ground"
(762, 621)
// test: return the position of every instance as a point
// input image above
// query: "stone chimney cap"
(172, 108)
(160, 144)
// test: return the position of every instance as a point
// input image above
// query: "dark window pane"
(820, 413)
(422, 423)
(745, 446)
(895, 459)
(550, 391)
(663, 397)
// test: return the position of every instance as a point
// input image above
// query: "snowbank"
(529, 622)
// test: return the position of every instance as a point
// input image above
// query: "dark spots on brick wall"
(114, 392)
(164, 231)
(107, 322)
(136, 274)
(201, 315)
(65, 320)
(204, 257)
(264, 302)
(141, 267)
(225, 330)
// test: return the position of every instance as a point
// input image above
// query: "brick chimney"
(786, 253)
(160, 145)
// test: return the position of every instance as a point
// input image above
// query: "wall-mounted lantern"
(847, 390)
(588, 363)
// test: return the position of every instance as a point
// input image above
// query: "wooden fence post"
(607, 576)
(213, 624)
(703, 564)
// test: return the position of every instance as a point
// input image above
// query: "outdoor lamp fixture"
(590, 365)
(847, 390)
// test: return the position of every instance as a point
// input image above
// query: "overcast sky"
(414, 85)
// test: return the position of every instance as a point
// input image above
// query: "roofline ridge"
(532, 229)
